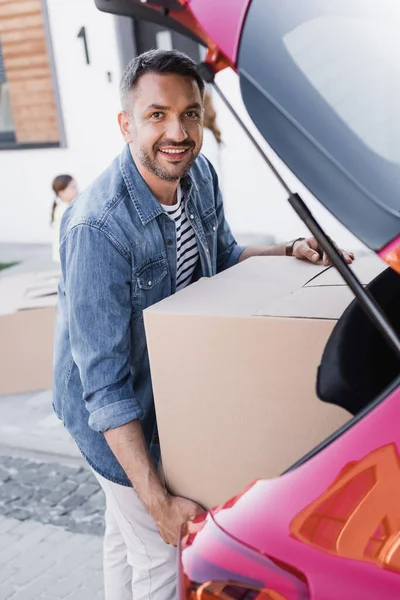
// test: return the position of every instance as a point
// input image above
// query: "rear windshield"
(334, 67)
(353, 61)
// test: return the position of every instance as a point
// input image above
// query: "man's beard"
(152, 165)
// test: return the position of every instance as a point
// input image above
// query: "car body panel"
(335, 520)
(363, 465)
(223, 22)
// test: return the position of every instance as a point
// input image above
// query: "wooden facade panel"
(25, 61)
(23, 35)
(20, 23)
(37, 73)
(23, 87)
(5, 2)
(47, 134)
(41, 124)
(41, 129)
(28, 71)
(26, 48)
(33, 99)
(22, 7)
(36, 123)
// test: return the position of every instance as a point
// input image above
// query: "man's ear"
(124, 122)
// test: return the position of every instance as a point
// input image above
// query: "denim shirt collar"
(146, 204)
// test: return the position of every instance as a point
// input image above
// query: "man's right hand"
(169, 512)
(173, 514)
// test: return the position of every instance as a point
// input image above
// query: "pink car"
(321, 80)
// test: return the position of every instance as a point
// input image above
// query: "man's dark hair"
(162, 62)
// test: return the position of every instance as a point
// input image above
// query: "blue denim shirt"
(118, 256)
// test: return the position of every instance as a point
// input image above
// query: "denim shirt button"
(214, 228)
(192, 217)
(169, 242)
(149, 283)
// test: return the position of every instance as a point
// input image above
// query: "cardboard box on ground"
(234, 361)
(27, 316)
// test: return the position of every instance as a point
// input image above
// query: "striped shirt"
(187, 252)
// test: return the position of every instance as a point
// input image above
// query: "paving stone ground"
(51, 526)
(51, 513)
(45, 562)
(53, 494)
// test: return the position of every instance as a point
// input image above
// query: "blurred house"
(60, 65)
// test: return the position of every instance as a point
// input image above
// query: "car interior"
(358, 364)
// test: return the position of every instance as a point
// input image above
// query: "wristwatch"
(290, 245)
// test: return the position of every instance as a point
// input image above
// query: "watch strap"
(290, 245)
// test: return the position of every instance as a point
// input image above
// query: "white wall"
(255, 202)
(89, 106)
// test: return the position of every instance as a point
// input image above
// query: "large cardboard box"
(234, 361)
(27, 316)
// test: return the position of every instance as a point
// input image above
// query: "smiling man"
(150, 225)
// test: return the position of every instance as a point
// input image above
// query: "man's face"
(165, 125)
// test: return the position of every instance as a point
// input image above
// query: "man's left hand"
(310, 250)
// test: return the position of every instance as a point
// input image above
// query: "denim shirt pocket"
(150, 285)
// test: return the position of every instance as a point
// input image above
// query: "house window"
(29, 112)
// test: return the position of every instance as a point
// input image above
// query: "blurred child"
(65, 189)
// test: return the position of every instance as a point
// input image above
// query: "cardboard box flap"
(366, 269)
(273, 269)
(221, 298)
(270, 287)
(241, 290)
(318, 302)
(32, 290)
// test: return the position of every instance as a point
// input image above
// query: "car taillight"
(391, 254)
(215, 565)
(232, 591)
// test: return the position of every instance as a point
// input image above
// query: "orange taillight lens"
(391, 254)
(226, 590)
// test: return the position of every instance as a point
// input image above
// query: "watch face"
(321, 80)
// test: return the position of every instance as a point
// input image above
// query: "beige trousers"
(138, 564)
